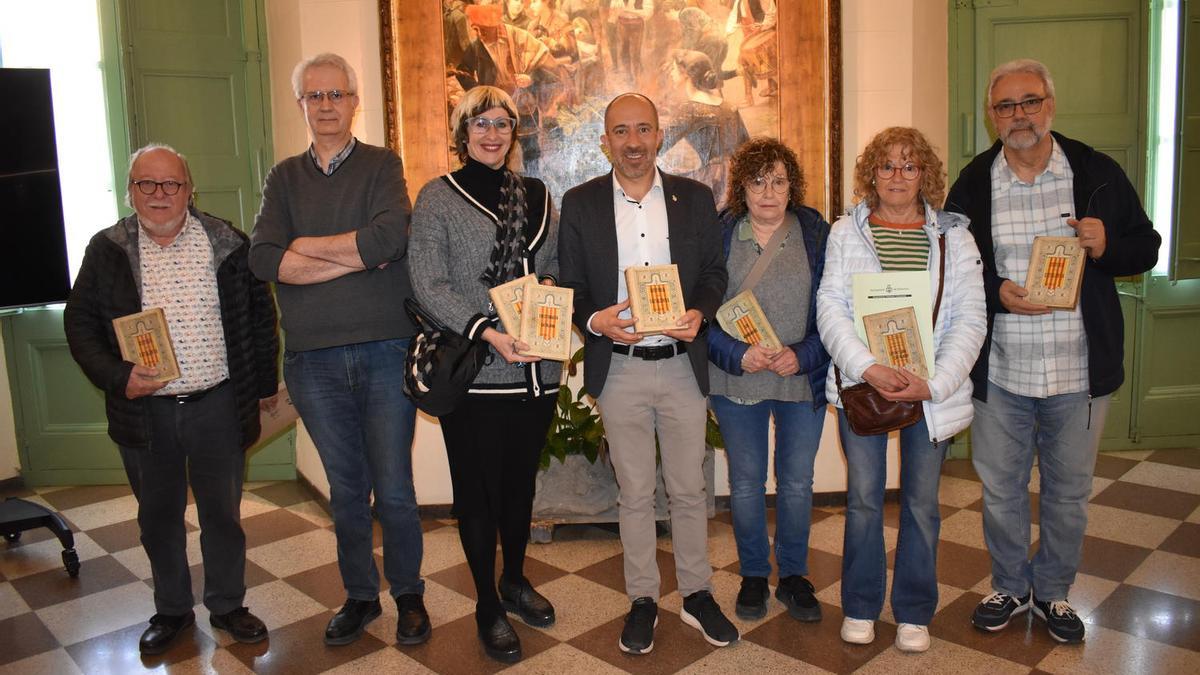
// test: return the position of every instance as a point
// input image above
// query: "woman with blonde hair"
(472, 229)
(895, 227)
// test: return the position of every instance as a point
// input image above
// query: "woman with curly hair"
(894, 227)
(750, 384)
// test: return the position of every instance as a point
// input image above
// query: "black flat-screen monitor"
(33, 243)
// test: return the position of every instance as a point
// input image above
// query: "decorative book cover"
(743, 318)
(1055, 272)
(145, 340)
(507, 299)
(895, 340)
(878, 292)
(546, 321)
(655, 297)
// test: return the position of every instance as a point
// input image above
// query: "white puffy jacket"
(961, 322)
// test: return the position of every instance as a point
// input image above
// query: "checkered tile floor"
(1138, 590)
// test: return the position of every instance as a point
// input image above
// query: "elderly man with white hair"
(332, 234)
(1043, 378)
(196, 427)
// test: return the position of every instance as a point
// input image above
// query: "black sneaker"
(796, 593)
(752, 599)
(995, 611)
(638, 635)
(701, 612)
(1062, 621)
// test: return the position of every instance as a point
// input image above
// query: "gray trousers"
(639, 398)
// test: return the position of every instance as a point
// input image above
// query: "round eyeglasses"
(758, 184)
(147, 186)
(1029, 106)
(480, 124)
(909, 171)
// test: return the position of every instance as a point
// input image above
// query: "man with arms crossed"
(1043, 378)
(332, 233)
(637, 215)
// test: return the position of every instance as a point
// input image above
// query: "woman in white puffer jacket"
(894, 228)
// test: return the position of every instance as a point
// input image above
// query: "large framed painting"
(720, 71)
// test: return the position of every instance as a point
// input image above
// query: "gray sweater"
(784, 293)
(451, 243)
(367, 194)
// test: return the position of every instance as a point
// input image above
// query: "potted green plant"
(576, 483)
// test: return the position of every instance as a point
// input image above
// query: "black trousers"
(199, 442)
(494, 445)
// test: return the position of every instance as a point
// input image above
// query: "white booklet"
(884, 291)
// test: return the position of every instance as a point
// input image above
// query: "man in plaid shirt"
(1044, 378)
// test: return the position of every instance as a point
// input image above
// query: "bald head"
(630, 98)
(631, 140)
(155, 171)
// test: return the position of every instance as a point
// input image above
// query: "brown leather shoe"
(241, 625)
(162, 632)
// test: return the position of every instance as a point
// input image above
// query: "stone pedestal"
(577, 491)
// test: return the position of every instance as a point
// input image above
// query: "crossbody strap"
(937, 305)
(769, 252)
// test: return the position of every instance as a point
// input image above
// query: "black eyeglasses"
(334, 95)
(1029, 106)
(147, 186)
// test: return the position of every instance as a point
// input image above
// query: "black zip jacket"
(108, 286)
(1131, 247)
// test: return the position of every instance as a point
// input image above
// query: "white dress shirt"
(642, 240)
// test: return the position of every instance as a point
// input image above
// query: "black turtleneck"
(482, 182)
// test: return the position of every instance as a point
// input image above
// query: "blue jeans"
(1064, 432)
(797, 437)
(352, 401)
(864, 563)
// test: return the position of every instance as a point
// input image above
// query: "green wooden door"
(1169, 394)
(1096, 51)
(193, 78)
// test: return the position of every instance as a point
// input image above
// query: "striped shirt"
(902, 247)
(1044, 355)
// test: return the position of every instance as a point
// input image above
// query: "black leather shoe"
(347, 625)
(520, 599)
(241, 625)
(162, 631)
(500, 641)
(412, 621)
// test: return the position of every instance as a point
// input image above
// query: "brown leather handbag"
(867, 411)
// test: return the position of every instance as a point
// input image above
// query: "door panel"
(1096, 52)
(195, 81)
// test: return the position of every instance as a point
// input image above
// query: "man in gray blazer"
(638, 215)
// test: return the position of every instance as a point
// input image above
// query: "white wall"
(894, 73)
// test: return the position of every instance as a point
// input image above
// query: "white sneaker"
(912, 638)
(858, 631)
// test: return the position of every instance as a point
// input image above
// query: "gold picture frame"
(808, 104)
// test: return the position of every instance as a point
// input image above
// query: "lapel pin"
(674, 198)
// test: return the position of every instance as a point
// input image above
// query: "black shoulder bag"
(441, 364)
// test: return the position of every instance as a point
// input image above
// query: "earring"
(872, 181)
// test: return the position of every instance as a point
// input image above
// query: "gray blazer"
(587, 258)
